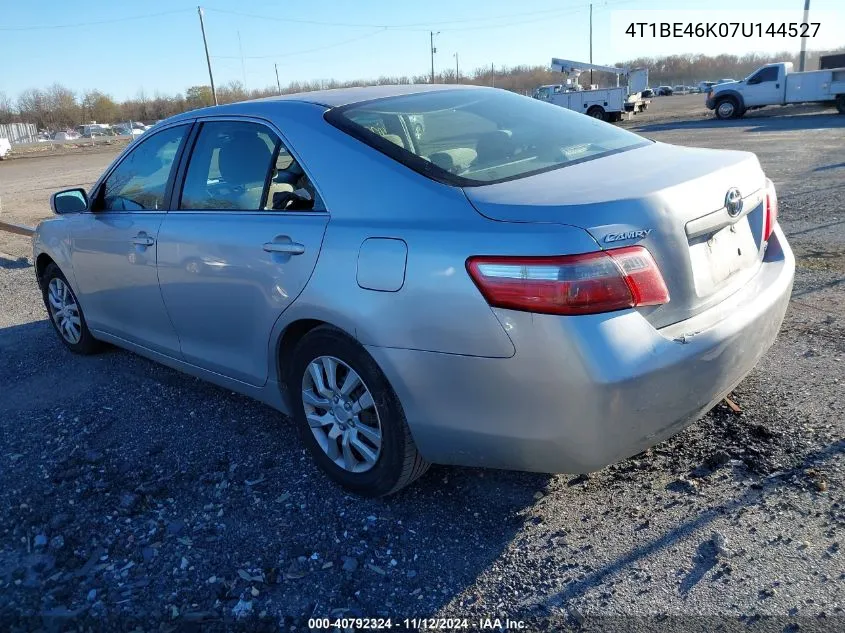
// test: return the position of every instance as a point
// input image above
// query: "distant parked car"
(485, 298)
(65, 135)
(724, 81)
(679, 90)
(664, 91)
(704, 86)
(124, 129)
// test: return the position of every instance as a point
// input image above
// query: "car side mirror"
(69, 201)
(299, 200)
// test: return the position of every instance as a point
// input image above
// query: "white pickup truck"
(5, 147)
(776, 84)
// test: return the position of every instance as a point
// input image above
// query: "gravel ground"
(135, 495)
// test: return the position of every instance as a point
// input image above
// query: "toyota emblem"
(733, 202)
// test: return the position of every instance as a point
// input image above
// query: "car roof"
(331, 98)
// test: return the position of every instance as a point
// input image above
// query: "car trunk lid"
(671, 200)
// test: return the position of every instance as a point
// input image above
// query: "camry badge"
(733, 202)
(627, 235)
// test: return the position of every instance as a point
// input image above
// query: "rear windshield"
(478, 137)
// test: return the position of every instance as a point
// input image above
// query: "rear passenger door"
(239, 245)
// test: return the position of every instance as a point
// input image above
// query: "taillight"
(771, 209)
(602, 281)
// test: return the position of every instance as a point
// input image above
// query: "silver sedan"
(428, 274)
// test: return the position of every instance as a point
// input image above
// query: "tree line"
(58, 107)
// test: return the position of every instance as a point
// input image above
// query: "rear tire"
(727, 108)
(597, 112)
(397, 462)
(66, 313)
(840, 104)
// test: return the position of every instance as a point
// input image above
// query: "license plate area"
(718, 258)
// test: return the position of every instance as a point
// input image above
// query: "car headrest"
(494, 146)
(395, 139)
(243, 159)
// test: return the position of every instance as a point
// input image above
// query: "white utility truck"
(776, 84)
(608, 104)
(5, 147)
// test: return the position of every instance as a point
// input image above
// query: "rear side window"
(243, 166)
(475, 137)
(139, 182)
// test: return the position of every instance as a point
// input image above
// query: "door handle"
(143, 240)
(288, 248)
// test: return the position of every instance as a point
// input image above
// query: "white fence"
(19, 132)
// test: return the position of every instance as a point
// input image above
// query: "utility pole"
(278, 83)
(243, 67)
(591, 42)
(803, 58)
(457, 70)
(492, 75)
(207, 57)
(433, 51)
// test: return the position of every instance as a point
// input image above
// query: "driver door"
(763, 88)
(114, 245)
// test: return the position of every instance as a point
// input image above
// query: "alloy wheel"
(64, 310)
(341, 414)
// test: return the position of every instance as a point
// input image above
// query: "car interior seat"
(243, 163)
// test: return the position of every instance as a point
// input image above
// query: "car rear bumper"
(583, 392)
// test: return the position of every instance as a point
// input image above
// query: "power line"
(420, 26)
(92, 23)
(310, 50)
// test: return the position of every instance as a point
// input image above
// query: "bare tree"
(7, 109)
(63, 109)
(99, 107)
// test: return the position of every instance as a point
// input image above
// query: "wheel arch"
(286, 340)
(729, 93)
(41, 262)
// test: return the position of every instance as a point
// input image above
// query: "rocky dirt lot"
(135, 496)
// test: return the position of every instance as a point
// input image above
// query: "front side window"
(480, 136)
(767, 74)
(139, 182)
(243, 166)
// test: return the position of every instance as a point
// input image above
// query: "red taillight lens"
(771, 209)
(571, 284)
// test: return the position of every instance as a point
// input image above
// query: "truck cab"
(765, 85)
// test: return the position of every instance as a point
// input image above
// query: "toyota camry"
(428, 274)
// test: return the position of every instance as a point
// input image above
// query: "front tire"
(66, 313)
(727, 108)
(349, 417)
(840, 104)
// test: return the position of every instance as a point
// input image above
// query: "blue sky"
(89, 44)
